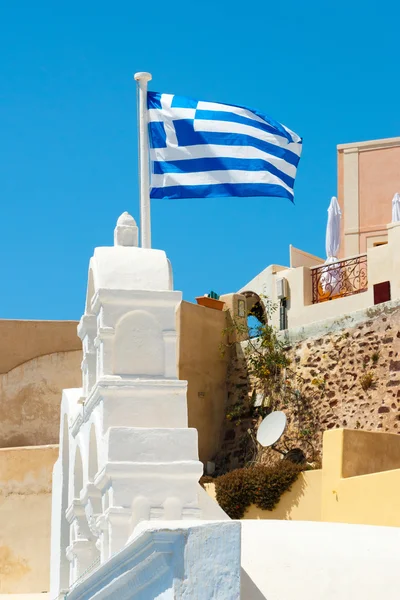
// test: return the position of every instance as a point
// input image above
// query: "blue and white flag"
(206, 149)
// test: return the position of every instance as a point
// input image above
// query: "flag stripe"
(157, 134)
(239, 128)
(212, 151)
(230, 117)
(170, 113)
(241, 190)
(215, 177)
(238, 110)
(218, 164)
(251, 114)
(187, 137)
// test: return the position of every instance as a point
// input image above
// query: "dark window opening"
(382, 292)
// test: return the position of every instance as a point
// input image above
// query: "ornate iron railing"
(338, 279)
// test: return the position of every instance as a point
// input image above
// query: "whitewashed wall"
(298, 560)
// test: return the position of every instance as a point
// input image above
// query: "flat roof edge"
(382, 143)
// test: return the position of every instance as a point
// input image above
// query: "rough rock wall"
(236, 446)
(334, 368)
(345, 361)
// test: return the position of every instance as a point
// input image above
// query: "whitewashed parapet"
(170, 560)
(126, 452)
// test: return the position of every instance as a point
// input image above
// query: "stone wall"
(344, 361)
(334, 368)
(235, 442)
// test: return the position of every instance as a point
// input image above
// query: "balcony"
(339, 279)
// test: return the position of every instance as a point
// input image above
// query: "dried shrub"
(259, 485)
(367, 381)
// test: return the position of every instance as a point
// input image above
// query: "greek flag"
(205, 149)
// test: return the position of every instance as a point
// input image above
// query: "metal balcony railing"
(339, 279)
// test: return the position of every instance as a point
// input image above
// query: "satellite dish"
(271, 428)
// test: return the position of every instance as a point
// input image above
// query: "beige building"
(367, 273)
(37, 360)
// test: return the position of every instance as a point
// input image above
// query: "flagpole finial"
(143, 76)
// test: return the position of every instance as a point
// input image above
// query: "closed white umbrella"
(332, 242)
(331, 277)
(396, 208)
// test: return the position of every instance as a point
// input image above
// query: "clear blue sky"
(68, 159)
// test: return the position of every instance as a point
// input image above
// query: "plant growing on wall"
(367, 381)
(375, 357)
(275, 385)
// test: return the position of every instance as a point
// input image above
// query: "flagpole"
(145, 228)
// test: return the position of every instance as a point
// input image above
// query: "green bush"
(259, 485)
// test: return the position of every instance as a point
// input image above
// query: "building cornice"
(107, 386)
(369, 145)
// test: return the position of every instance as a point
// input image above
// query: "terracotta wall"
(379, 180)
(368, 178)
(202, 364)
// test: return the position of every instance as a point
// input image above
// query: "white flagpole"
(145, 228)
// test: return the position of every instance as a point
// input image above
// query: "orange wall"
(375, 166)
(379, 180)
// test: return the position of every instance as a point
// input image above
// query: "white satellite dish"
(271, 428)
